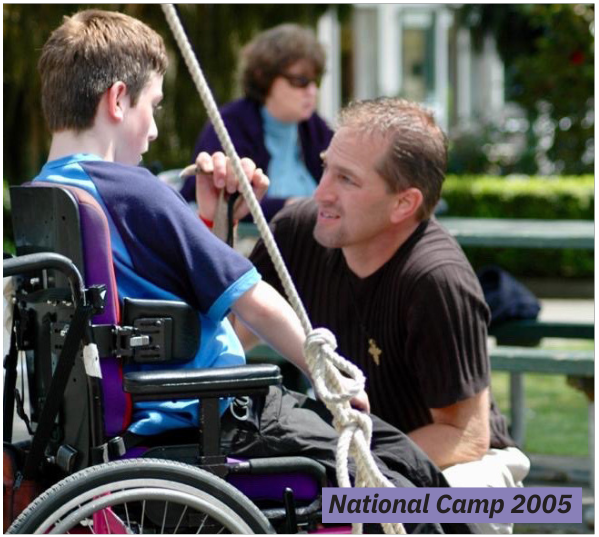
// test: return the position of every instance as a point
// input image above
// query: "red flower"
(577, 57)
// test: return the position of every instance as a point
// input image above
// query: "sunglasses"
(300, 81)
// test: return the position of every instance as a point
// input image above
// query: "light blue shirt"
(287, 172)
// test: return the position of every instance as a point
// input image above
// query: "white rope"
(354, 427)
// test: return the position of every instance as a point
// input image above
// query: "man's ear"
(407, 204)
(115, 101)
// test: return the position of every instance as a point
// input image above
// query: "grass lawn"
(556, 414)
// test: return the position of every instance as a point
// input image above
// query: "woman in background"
(275, 124)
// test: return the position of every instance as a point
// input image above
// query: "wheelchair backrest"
(69, 221)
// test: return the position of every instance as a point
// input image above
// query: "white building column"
(389, 67)
(496, 77)
(328, 33)
(464, 75)
(443, 22)
(365, 59)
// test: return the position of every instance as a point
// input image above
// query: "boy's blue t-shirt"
(161, 250)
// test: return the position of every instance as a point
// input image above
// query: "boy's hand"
(214, 174)
(360, 401)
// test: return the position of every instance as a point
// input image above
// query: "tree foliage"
(548, 50)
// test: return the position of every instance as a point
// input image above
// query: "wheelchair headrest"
(98, 265)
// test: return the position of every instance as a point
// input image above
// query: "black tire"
(148, 480)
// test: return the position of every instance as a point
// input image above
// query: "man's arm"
(263, 313)
(460, 432)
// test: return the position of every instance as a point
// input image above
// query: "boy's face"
(139, 127)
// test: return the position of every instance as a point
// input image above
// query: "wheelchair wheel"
(142, 496)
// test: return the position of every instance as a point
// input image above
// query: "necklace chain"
(373, 349)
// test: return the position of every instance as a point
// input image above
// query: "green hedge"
(568, 198)
(551, 198)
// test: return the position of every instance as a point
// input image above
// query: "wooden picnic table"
(521, 233)
(505, 233)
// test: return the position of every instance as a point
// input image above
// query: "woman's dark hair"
(272, 51)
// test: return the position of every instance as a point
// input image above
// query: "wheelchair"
(93, 480)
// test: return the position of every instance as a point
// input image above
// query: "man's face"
(354, 204)
(139, 127)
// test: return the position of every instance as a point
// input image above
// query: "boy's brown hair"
(86, 55)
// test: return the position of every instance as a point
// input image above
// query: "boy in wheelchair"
(102, 78)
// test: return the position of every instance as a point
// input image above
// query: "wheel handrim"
(136, 490)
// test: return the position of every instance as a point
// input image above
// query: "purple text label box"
(515, 505)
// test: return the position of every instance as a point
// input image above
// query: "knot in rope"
(326, 365)
(352, 421)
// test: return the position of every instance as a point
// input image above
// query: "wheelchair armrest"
(202, 383)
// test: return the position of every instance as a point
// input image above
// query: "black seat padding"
(199, 383)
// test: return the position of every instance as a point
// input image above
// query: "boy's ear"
(407, 204)
(115, 100)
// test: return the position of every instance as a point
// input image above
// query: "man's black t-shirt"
(417, 327)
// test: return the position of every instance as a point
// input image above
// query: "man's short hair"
(417, 150)
(86, 55)
(271, 52)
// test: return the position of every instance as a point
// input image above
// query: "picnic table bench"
(521, 233)
(524, 331)
(517, 353)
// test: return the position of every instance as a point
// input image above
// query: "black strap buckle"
(96, 297)
(21, 411)
(115, 448)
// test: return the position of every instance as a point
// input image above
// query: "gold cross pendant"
(374, 351)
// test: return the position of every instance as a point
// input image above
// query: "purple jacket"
(244, 123)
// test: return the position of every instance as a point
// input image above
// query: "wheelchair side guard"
(173, 326)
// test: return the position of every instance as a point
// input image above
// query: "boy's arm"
(263, 313)
(248, 339)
